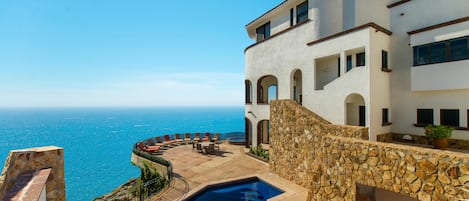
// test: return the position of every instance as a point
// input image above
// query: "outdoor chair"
(187, 138)
(210, 148)
(199, 147)
(206, 137)
(178, 138)
(144, 148)
(197, 137)
(168, 140)
(216, 137)
(161, 142)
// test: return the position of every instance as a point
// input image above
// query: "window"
(385, 116)
(384, 59)
(349, 63)
(467, 118)
(459, 49)
(338, 67)
(263, 31)
(302, 12)
(361, 59)
(424, 117)
(248, 90)
(449, 117)
(439, 52)
(291, 17)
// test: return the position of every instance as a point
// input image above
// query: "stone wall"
(331, 160)
(20, 161)
(138, 161)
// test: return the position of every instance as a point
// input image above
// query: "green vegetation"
(149, 183)
(259, 151)
(436, 132)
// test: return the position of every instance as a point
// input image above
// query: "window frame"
(419, 123)
(302, 16)
(385, 120)
(348, 63)
(292, 16)
(425, 51)
(265, 33)
(442, 117)
(384, 59)
(360, 57)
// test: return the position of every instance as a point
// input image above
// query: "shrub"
(259, 151)
(439, 131)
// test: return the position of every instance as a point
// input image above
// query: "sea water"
(97, 141)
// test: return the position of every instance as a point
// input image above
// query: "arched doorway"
(297, 86)
(263, 132)
(355, 111)
(267, 89)
(248, 132)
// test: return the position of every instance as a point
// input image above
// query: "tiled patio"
(194, 170)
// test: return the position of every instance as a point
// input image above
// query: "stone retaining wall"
(138, 161)
(330, 160)
(20, 161)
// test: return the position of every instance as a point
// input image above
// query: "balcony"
(441, 76)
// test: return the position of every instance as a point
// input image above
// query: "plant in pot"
(439, 134)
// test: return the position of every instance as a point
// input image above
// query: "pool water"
(251, 190)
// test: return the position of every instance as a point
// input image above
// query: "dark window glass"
(248, 91)
(467, 118)
(421, 55)
(449, 117)
(263, 31)
(459, 49)
(424, 116)
(338, 67)
(437, 53)
(291, 17)
(384, 59)
(361, 59)
(385, 114)
(349, 63)
(302, 12)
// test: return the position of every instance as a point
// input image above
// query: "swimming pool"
(251, 189)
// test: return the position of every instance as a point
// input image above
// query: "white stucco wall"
(405, 78)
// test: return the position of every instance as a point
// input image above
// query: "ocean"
(97, 141)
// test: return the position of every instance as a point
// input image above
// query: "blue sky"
(94, 53)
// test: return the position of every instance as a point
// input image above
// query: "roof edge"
(371, 24)
(436, 26)
(397, 3)
(280, 4)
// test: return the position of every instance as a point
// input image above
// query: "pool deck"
(193, 171)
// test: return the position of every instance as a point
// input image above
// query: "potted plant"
(439, 134)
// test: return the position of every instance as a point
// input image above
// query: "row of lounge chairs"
(155, 145)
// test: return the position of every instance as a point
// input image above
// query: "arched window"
(267, 89)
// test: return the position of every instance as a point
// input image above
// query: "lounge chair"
(187, 138)
(216, 137)
(168, 140)
(197, 137)
(206, 137)
(178, 138)
(149, 149)
(161, 142)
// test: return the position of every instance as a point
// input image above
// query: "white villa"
(390, 65)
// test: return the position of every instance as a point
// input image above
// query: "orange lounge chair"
(178, 138)
(168, 139)
(161, 142)
(187, 138)
(206, 137)
(197, 137)
(150, 149)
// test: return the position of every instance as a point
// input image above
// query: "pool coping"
(291, 191)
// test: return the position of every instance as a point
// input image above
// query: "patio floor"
(193, 170)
